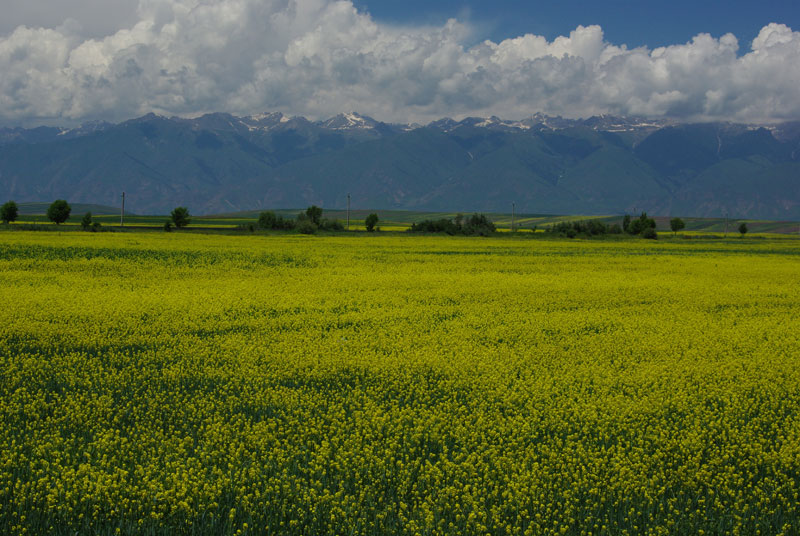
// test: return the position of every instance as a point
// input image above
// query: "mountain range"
(222, 163)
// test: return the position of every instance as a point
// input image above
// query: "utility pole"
(726, 224)
(348, 212)
(513, 206)
(122, 213)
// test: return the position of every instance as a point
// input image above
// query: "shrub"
(58, 212)
(9, 212)
(306, 226)
(650, 233)
(330, 225)
(167, 226)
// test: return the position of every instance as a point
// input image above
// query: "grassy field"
(185, 383)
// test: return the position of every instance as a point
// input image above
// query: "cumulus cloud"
(321, 57)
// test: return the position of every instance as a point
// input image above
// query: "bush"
(96, 226)
(650, 233)
(306, 226)
(180, 217)
(330, 225)
(58, 212)
(167, 226)
(370, 222)
(9, 212)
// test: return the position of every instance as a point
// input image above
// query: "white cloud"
(320, 57)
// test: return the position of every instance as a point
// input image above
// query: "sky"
(64, 63)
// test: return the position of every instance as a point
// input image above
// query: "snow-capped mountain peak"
(348, 121)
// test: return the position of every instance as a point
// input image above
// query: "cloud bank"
(319, 57)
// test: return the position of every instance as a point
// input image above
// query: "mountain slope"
(222, 163)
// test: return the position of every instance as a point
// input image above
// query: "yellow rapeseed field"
(172, 383)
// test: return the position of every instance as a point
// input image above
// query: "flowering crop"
(199, 384)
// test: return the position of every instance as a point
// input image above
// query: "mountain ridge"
(220, 162)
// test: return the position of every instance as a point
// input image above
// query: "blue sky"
(413, 61)
(635, 23)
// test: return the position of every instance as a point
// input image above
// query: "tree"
(267, 220)
(676, 224)
(180, 217)
(270, 220)
(743, 229)
(371, 222)
(626, 222)
(86, 221)
(314, 213)
(9, 212)
(478, 224)
(641, 224)
(59, 211)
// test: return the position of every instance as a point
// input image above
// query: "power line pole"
(726, 224)
(348, 212)
(122, 213)
(513, 206)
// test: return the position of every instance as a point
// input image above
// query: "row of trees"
(311, 220)
(477, 224)
(58, 212)
(571, 229)
(308, 222)
(643, 226)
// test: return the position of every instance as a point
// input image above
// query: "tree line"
(311, 220)
(308, 222)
